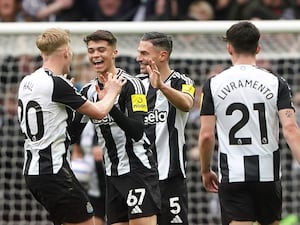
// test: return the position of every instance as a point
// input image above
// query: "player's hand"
(154, 74)
(210, 181)
(114, 83)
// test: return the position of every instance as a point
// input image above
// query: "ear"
(229, 48)
(258, 49)
(163, 55)
(115, 53)
(66, 53)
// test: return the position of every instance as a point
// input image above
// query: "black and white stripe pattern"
(45, 110)
(165, 125)
(121, 153)
(245, 101)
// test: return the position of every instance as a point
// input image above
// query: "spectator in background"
(11, 11)
(167, 9)
(60, 10)
(241, 9)
(272, 10)
(45, 10)
(81, 10)
(221, 8)
(116, 10)
(200, 10)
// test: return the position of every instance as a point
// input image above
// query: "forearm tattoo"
(289, 113)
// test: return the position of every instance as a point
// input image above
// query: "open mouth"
(98, 62)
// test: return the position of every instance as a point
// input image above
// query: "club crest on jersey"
(155, 116)
(189, 89)
(139, 103)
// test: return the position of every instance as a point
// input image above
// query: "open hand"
(114, 83)
(154, 74)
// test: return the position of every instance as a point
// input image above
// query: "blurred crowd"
(146, 10)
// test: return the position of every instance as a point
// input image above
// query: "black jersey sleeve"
(207, 104)
(65, 93)
(132, 109)
(76, 127)
(133, 125)
(284, 95)
(79, 122)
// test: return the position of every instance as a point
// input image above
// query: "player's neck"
(165, 72)
(53, 68)
(244, 60)
(103, 75)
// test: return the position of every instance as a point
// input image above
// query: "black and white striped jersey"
(45, 107)
(122, 152)
(165, 125)
(246, 101)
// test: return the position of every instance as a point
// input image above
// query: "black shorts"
(174, 208)
(257, 201)
(62, 195)
(98, 204)
(132, 195)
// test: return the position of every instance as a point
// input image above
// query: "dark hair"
(101, 35)
(244, 37)
(159, 40)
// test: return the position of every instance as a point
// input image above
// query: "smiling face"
(101, 56)
(147, 51)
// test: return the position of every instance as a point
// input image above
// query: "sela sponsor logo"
(155, 116)
(105, 121)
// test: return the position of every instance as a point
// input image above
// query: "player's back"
(245, 101)
(43, 121)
